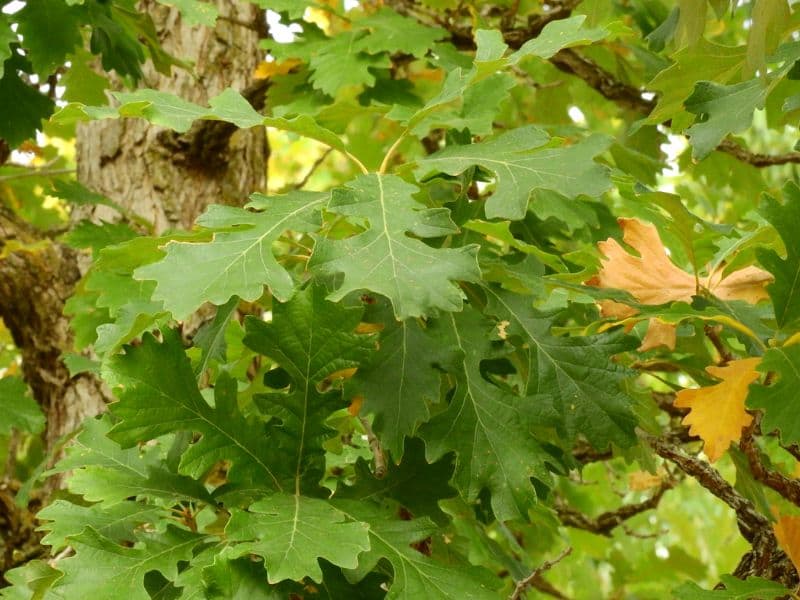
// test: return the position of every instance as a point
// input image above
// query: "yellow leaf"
(658, 334)
(268, 69)
(717, 413)
(638, 481)
(652, 278)
(355, 405)
(787, 532)
(616, 310)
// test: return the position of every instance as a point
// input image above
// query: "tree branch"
(524, 584)
(786, 487)
(605, 523)
(751, 522)
(572, 62)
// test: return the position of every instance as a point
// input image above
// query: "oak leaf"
(787, 532)
(717, 414)
(652, 278)
(658, 334)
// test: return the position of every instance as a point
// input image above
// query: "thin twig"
(751, 522)
(608, 521)
(786, 487)
(377, 450)
(524, 584)
(300, 184)
(37, 173)
(712, 333)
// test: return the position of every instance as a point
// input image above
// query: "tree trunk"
(168, 178)
(165, 178)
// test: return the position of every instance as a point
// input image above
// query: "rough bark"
(168, 178)
(165, 178)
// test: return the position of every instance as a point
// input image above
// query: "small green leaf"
(415, 575)
(104, 472)
(400, 380)
(23, 106)
(292, 532)
(20, 411)
(392, 32)
(785, 291)
(557, 35)
(779, 400)
(724, 109)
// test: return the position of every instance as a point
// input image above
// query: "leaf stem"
(37, 173)
(391, 152)
(357, 162)
(524, 584)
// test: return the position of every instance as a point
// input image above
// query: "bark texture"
(169, 178)
(166, 178)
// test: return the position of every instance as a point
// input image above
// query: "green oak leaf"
(724, 109)
(118, 522)
(311, 339)
(7, 37)
(415, 483)
(735, 589)
(158, 394)
(485, 426)
(104, 472)
(785, 290)
(20, 411)
(415, 575)
(129, 304)
(417, 278)
(576, 372)
(51, 29)
(102, 568)
(210, 338)
(32, 580)
(238, 260)
(557, 35)
(194, 11)
(779, 400)
(240, 579)
(23, 106)
(702, 61)
(392, 32)
(86, 234)
(292, 532)
(400, 379)
(524, 160)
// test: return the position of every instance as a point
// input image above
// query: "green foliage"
(438, 364)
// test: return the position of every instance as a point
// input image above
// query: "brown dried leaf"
(717, 414)
(652, 278)
(658, 334)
